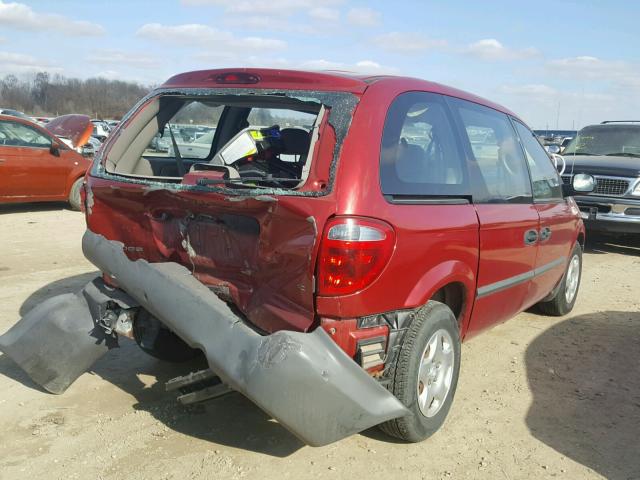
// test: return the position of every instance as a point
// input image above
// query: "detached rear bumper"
(304, 380)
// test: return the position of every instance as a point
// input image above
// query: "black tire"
(558, 305)
(415, 426)
(74, 194)
(159, 342)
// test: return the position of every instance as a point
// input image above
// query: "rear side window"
(419, 155)
(544, 177)
(497, 165)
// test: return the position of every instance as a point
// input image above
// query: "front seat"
(296, 141)
(411, 164)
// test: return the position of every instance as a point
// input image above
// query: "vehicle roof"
(606, 125)
(325, 81)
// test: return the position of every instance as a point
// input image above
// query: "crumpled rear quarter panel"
(259, 252)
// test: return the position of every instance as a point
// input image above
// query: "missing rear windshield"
(243, 141)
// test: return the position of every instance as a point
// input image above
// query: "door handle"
(545, 234)
(530, 237)
(2, 160)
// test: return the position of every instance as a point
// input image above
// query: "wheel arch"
(452, 283)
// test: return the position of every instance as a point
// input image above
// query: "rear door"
(10, 170)
(508, 218)
(557, 221)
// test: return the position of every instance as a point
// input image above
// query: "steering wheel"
(555, 158)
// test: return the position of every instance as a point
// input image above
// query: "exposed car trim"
(517, 279)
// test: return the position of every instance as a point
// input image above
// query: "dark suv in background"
(610, 152)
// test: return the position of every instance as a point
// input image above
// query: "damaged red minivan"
(326, 240)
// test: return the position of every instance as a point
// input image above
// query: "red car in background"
(39, 164)
(328, 251)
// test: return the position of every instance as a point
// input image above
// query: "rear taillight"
(353, 253)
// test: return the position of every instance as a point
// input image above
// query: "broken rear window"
(219, 140)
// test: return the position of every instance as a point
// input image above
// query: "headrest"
(295, 141)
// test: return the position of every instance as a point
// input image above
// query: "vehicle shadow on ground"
(33, 207)
(583, 374)
(231, 420)
(601, 244)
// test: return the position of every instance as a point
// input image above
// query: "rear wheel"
(74, 194)
(565, 296)
(158, 341)
(426, 373)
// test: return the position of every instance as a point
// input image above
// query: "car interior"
(255, 140)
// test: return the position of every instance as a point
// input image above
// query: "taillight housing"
(353, 253)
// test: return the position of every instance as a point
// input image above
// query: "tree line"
(44, 94)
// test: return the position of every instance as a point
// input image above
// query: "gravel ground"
(538, 397)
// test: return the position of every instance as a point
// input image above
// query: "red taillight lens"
(353, 253)
(237, 77)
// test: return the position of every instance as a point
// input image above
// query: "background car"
(610, 152)
(555, 141)
(14, 113)
(36, 165)
(101, 129)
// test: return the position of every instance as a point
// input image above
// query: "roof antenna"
(577, 139)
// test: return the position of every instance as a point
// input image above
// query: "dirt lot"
(538, 397)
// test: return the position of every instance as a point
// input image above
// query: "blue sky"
(552, 62)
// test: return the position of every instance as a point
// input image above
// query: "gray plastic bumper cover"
(303, 380)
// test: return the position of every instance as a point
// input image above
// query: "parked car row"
(555, 141)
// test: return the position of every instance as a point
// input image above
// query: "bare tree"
(53, 95)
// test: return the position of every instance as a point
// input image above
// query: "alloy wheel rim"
(573, 276)
(435, 374)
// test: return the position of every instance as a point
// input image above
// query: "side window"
(497, 159)
(19, 135)
(419, 154)
(544, 177)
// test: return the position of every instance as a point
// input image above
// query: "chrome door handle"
(545, 234)
(530, 237)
